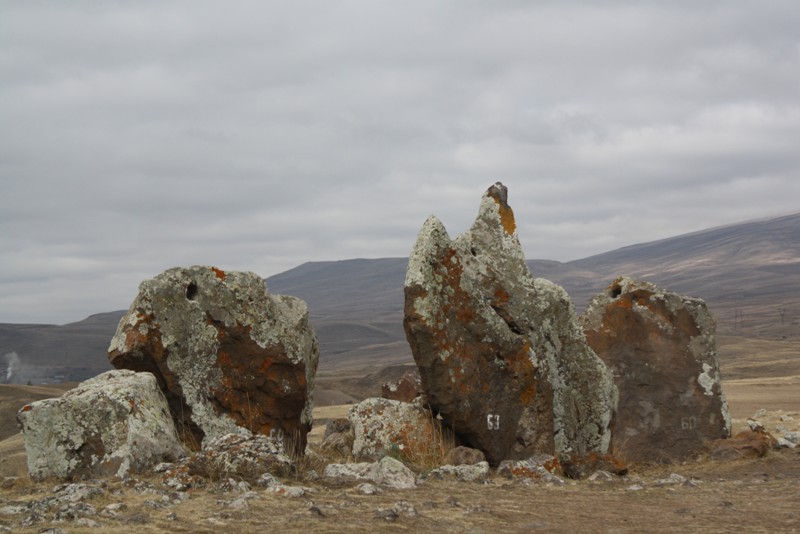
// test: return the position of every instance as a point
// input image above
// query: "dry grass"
(425, 455)
(760, 494)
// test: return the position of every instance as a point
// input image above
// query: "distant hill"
(749, 273)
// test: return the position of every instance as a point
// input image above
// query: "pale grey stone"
(113, 424)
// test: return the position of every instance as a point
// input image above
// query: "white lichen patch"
(707, 380)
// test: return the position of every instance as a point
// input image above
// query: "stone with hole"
(230, 357)
(661, 348)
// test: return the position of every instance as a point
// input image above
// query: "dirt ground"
(754, 495)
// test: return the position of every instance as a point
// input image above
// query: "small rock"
(539, 467)
(13, 509)
(601, 476)
(289, 491)
(635, 487)
(404, 508)
(138, 519)
(356, 471)
(171, 516)
(462, 473)
(673, 479)
(392, 474)
(387, 514)
(784, 443)
(368, 489)
(760, 413)
(315, 511)
(794, 437)
(162, 467)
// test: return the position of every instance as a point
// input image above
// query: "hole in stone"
(473, 251)
(616, 290)
(191, 291)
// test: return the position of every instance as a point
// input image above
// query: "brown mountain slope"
(749, 274)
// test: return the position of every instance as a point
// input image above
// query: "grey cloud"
(259, 135)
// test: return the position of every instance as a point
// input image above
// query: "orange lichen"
(219, 272)
(506, 215)
(501, 296)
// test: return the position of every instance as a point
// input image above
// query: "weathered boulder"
(405, 389)
(113, 424)
(501, 356)
(661, 348)
(388, 472)
(230, 357)
(383, 426)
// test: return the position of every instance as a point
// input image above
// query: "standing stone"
(500, 355)
(662, 351)
(404, 389)
(230, 357)
(113, 424)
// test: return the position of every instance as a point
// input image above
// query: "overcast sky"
(138, 136)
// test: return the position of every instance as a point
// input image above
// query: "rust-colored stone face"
(497, 351)
(228, 355)
(404, 389)
(661, 349)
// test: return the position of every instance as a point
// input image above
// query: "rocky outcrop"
(661, 348)
(383, 426)
(230, 357)
(114, 424)
(500, 355)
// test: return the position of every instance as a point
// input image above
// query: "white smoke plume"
(12, 362)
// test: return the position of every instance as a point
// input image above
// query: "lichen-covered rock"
(113, 424)
(232, 456)
(387, 472)
(661, 348)
(230, 357)
(542, 467)
(405, 389)
(383, 426)
(477, 472)
(500, 355)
